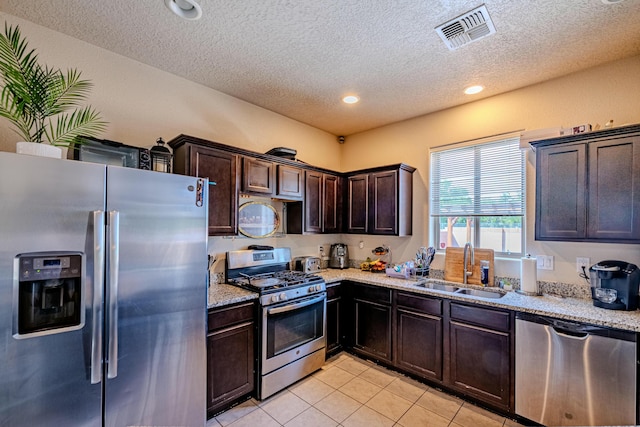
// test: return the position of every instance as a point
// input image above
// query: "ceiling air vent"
(466, 28)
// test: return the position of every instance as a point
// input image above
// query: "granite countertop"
(221, 294)
(576, 309)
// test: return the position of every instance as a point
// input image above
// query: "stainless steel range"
(293, 321)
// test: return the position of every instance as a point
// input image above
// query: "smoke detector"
(466, 28)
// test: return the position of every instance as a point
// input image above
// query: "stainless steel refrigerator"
(102, 295)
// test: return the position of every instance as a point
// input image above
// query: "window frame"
(476, 233)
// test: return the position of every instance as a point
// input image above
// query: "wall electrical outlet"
(544, 262)
(583, 262)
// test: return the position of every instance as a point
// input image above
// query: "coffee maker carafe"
(339, 256)
(614, 285)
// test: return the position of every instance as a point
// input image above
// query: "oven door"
(292, 330)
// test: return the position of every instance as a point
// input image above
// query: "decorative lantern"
(160, 157)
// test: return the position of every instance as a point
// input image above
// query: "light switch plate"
(544, 262)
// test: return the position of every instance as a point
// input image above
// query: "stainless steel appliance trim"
(98, 286)
(279, 379)
(114, 261)
(296, 305)
(245, 258)
(276, 362)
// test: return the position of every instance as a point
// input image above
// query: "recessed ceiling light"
(471, 90)
(185, 9)
(350, 99)
(612, 1)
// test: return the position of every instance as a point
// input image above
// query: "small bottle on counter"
(484, 272)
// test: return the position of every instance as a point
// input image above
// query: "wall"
(592, 96)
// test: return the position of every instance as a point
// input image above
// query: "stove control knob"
(318, 288)
(274, 298)
(283, 296)
(312, 288)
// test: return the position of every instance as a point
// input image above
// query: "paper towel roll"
(528, 279)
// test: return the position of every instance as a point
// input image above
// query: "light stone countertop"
(579, 310)
(221, 294)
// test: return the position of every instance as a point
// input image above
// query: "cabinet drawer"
(372, 293)
(490, 318)
(333, 291)
(231, 315)
(421, 303)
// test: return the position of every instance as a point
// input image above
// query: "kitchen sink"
(480, 293)
(440, 287)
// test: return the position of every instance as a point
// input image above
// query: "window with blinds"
(478, 196)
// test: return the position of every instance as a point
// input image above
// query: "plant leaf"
(83, 122)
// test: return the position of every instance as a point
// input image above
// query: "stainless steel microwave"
(109, 153)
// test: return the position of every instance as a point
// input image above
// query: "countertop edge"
(573, 309)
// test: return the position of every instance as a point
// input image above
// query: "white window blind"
(478, 180)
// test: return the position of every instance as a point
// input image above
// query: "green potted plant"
(43, 104)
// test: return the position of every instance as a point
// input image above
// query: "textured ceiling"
(299, 57)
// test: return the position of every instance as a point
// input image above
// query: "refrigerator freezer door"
(161, 300)
(46, 205)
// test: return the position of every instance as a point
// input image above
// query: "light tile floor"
(351, 392)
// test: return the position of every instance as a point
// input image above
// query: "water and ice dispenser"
(49, 293)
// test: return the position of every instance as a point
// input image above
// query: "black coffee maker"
(614, 285)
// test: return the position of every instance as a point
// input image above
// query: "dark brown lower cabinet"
(371, 318)
(335, 306)
(480, 344)
(230, 356)
(418, 343)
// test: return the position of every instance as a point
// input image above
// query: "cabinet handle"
(213, 183)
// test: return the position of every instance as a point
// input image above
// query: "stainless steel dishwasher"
(570, 374)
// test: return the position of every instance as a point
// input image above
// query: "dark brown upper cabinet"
(358, 204)
(321, 211)
(588, 187)
(258, 176)
(221, 168)
(290, 183)
(380, 201)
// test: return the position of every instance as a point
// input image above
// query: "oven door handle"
(297, 305)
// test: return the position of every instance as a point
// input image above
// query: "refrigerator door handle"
(98, 286)
(113, 265)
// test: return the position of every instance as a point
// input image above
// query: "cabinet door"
(560, 193)
(372, 329)
(480, 363)
(419, 343)
(290, 184)
(221, 168)
(334, 318)
(358, 208)
(313, 202)
(383, 202)
(229, 366)
(258, 176)
(614, 199)
(332, 203)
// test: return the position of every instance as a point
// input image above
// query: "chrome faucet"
(468, 248)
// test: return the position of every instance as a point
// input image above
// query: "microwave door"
(110, 159)
(107, 154)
